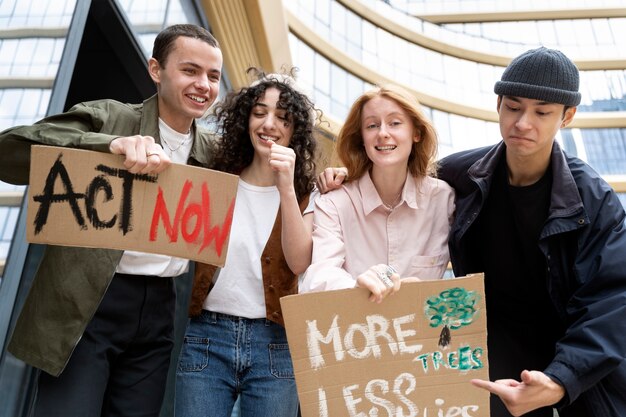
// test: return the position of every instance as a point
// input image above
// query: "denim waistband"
(214, 316)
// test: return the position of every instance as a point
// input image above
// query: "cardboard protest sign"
(86, 198)
(411, 355)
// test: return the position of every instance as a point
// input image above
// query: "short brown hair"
(350, 149)
(164, 42)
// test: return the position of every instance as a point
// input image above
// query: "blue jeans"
(224, 357)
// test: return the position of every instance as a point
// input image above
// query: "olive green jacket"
(70, 282)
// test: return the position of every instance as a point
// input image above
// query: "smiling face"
(268, 123)
(529, 126)
(188, 83)
(388, 133)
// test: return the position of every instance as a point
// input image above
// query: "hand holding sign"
(143, 154)
(381, 280)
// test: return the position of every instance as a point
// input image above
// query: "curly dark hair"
(235, 151)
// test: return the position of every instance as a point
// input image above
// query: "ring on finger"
(149, 154)
(385, 278)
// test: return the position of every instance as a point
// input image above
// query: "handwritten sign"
(86, 198)
(412, 355)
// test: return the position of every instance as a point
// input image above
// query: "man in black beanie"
(549, 234)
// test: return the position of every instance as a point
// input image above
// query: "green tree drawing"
(452, 309)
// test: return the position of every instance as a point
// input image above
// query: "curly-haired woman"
(235, 344)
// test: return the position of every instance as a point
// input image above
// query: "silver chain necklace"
(394, 203)
(180, 145)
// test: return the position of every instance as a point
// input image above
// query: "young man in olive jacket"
(549, 234)
(99, 322)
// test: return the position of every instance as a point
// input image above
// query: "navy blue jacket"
(584, 244)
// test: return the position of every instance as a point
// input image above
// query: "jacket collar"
(486, 166)
(150, 118)
(564, 203)
(567, 201)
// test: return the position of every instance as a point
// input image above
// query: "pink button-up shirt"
(353, 230)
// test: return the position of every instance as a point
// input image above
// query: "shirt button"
(275, 314)
(267, 259)
(581, 221)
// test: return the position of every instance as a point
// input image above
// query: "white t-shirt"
(178, 147)
(238, 288)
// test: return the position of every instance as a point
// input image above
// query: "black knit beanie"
(541, 74)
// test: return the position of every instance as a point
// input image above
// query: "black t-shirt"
(522, 323)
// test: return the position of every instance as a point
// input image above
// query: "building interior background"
(449, 53)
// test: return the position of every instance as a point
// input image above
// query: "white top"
(140, 263)
(176, 145)
(238, 288)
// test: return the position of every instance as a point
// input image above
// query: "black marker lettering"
(48, 197)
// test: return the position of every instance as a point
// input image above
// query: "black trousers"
(120, 365)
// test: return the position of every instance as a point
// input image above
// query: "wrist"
(556, 390)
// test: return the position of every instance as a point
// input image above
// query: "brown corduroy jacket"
(278, 279)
